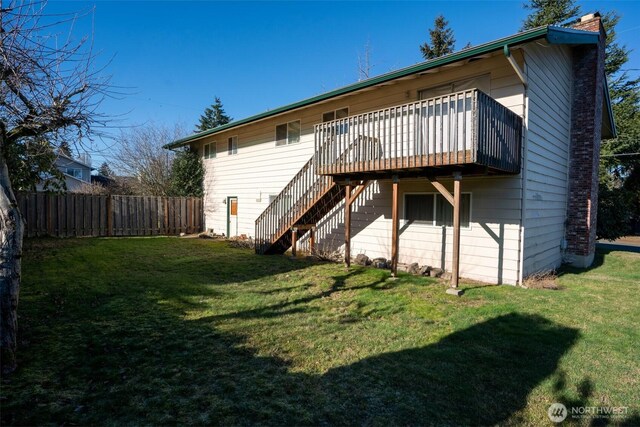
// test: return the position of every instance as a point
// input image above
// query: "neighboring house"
(512, 128)
(76, 172)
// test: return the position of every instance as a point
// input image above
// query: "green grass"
(188, 331)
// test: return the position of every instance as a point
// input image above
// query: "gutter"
(553, 35)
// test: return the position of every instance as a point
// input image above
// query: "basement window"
(444, 211)
(433, 209)
(288, 133)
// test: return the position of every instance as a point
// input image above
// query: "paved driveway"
(628, 244)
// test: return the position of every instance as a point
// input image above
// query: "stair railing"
(287, 207)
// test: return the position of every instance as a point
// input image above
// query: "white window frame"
(334, 113)
(211, 155)
(287, 141)
(433, 223)
(231, 151)
(338, 129)
(72, 172)
(451, 86)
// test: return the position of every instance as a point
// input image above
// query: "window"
(336, 114)
(444, 211)
(481, 82)
(74, 172)
(288, 133)
(419, 207)
(210, 151)
(232, 145)
(434, 209)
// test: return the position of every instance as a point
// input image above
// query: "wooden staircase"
(305, 200)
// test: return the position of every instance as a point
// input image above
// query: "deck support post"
(312, 240)
(455, 269)
(394, 229)
(347, 225)
(294, 241)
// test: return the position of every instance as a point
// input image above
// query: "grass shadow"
(123, 347)
(453, 381)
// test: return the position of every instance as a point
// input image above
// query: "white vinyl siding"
(548, 137)
(488, 247)
(263, 169)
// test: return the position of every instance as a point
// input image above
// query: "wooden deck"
(407, 163)
(464, 130)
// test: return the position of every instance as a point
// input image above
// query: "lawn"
(189, 331)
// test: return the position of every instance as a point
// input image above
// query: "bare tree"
(49, 89)
(140, 155)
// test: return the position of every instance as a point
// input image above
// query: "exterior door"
(232, 216)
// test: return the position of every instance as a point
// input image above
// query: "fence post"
(109, 216)
(49, 215)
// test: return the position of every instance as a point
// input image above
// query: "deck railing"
(287, 207)
(467, 127)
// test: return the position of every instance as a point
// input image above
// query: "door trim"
(229, 215)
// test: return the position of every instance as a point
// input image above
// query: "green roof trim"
(554, 35)
(571, 36)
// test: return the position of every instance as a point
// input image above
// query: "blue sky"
(174, 57)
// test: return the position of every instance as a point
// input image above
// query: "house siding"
(548, 136)
(489, 248)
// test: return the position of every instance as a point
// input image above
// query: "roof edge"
(553, 34)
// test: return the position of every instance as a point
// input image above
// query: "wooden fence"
(71, 214)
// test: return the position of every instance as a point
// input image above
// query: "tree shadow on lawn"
(171, 370)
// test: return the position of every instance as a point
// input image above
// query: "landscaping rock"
(362, 259)
(380, 263)
(446, 276)
(424, 270)
(436, 272)
(413, 268)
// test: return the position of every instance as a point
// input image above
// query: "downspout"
(525, 125)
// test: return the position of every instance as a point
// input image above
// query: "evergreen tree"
(442, 40)
(617, 55)
(187, 173)
(105, 170)
(213, 117)
(619, 166)
(549, 12)
(65, 149)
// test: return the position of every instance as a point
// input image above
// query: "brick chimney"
(590, 22)
(584, 151)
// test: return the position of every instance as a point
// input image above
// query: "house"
(76, 172)
(483, 162)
